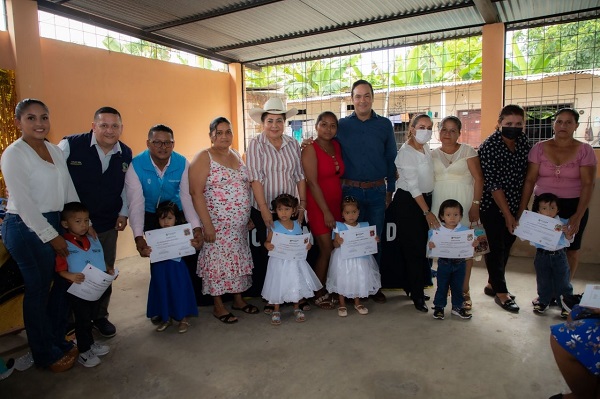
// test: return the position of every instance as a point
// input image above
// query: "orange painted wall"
(7, 60)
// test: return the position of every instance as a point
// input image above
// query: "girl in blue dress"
(171, 294)
(287, 280)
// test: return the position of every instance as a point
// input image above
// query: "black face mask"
(511, 133)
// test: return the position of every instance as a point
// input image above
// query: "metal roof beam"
(246, 5)
(81, 16)
(488, 11)
(348, 25)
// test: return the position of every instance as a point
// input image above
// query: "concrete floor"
(394, 352)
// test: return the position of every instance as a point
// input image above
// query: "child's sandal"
(361, 309)
(467, 304)
(299, 314)
(276, 318)
(342, 311)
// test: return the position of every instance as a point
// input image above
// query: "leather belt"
(363, 184)
(546, 252)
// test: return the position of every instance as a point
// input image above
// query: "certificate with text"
(591, 296)
(95, 283)
(170, 242)
(539, 229)
(358, 242)
(452, 244)
(289, 247)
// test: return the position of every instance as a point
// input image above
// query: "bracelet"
(301, 209)
(425, 213)
(476, 202)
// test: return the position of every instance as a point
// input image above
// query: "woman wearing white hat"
(273, 161)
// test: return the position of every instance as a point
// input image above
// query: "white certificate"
(539, 229)
(170, 242)
(591, 296)
(452, 244)
(290, 247)
(95, 283)
(358, 242)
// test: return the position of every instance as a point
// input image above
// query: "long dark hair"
(166, 207)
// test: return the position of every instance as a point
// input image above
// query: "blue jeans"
(36, 262)
(450, 274)
(372, 208)
(552, 275)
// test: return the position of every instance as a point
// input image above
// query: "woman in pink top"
(565, 167)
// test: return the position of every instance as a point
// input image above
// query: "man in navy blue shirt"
(369, 149)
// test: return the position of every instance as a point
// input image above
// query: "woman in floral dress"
(221, 193)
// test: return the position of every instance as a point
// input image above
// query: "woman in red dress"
(323, 168)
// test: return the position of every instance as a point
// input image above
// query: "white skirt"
(289, 281)
(354, 277)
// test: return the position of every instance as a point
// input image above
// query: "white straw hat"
(274, 106)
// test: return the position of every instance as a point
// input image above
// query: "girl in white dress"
(287, 280)
(355, 277)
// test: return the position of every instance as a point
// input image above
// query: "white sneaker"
(89, 359)
(99, 349)
(24, 362)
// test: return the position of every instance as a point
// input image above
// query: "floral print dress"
(225, 266)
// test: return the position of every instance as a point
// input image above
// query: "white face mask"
(423, 135)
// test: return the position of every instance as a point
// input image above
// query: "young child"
(353, 278)
(171, 294)
(83, 249)
(551, 266)
(287, 280)
(450, 272)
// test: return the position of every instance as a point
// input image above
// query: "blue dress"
(581, 338)
(355, 277)
(171, 294)
(289, 280)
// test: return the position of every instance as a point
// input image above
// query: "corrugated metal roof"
(265, 32)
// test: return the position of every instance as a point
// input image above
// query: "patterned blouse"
(503, 170)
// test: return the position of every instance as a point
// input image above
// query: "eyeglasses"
(166, 144)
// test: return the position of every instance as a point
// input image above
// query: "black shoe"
(421, 306)
(510, 305)
(554, 303)
(438, 313)
(568, 301)
(105, 327)
(378, 297)
(156, 320)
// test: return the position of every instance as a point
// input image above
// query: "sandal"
(276, 318)
(467, 303)
(342, 311)
(299, 314)
(226, 318)
(324, 302)
(361, 309)
(269, 309)
(163, 326)
(304, 306)
(248, 308)
(183, 326)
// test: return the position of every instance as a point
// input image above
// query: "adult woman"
(503, 157)
(410, 209)
(274, 168)
(565, 167)
(575, 348)
(457, 175)
(221, 195)
(323, 166)
(39, 185)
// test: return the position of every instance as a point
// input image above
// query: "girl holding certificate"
(287, 280)
(354, 277)
(171, 294)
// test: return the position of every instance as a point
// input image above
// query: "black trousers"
(410, 244)
(500, 241)
(84, 312)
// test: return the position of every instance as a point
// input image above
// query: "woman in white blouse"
(410, 209)
(39, 185)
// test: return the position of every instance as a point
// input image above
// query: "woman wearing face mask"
(503, 157)
(410, 208)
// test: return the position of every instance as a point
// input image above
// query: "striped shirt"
(279, 171)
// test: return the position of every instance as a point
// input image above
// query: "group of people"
(350, 175)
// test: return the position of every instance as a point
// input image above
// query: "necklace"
(451, 156)
(335, 161)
